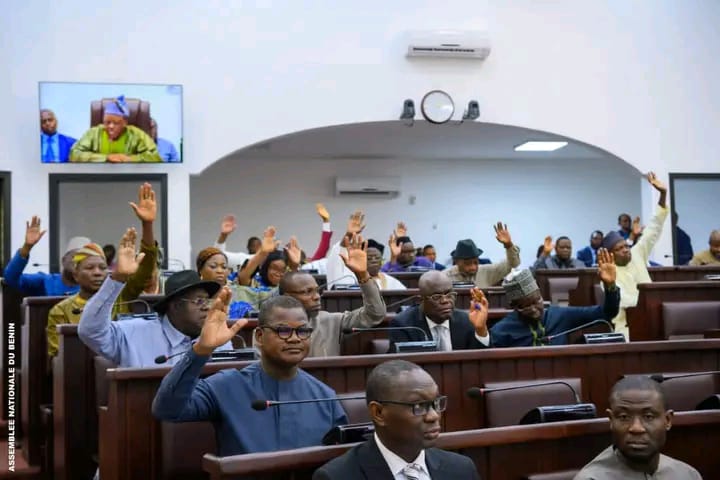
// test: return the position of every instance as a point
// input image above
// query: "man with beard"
(228, 397)
(327, 326)
(632, 262)
(437, 316)
(54, 147)
(639, 422)
(405, 406)
(531, 321)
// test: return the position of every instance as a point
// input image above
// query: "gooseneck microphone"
(660, 378)
(348, 331)
(548, 338)
(160, 359)
(478, 392)
(265, 404)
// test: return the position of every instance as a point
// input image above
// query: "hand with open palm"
(146, 208)
(607, 271)
(478, 311)
(215, 331)
(356, 257)
(127, 258)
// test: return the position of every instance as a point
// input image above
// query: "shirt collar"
(432, 325)
(396, 463)
(46, 136)
(174, 336)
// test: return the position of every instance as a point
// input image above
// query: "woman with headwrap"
(211, 264)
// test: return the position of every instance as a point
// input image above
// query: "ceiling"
(422, 140)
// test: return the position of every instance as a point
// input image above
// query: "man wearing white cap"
(42, 284)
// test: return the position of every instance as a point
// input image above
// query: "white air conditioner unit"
(368, 186)
(473, 44)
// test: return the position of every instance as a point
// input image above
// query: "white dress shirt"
(397, 464)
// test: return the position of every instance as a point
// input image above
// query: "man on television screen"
(165, 147)
(54, 147)
(114, 140)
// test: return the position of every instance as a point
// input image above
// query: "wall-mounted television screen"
(110, 123)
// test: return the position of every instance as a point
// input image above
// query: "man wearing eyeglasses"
(438, 317)
(325, 341)
(405, 406)
(226, 398)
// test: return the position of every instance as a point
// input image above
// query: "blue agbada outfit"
(513, 331)
(225, 398)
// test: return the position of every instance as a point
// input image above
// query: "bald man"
(437, 317)
(711, 256)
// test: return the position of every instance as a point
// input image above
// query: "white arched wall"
(634, 78)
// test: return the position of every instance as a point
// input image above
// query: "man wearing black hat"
(632, 262)
(138, 342)
(467, 268)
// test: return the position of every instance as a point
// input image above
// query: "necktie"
(49, 152)
(412, 471)
(440, 337)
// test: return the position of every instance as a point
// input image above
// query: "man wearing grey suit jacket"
(327, 326)
(405, 406)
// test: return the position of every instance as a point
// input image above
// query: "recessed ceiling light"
(540, 146)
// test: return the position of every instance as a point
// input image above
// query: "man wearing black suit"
(436, 315)
(405, 407)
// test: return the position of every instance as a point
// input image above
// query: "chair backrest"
(683, 394)
(102, 385)
(183, 446)
(139, 112)
(690, 319)
(560, 287)
(564, 475)
(508, 407)
(356, 410)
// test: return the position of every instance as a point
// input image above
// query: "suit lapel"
(458, 332)
(434, 463)
(422, 323)
(372, 463)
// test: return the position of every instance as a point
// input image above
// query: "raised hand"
(356, 257)
(127, 258)
(478, 311)
(606, 266)
(356, 224)
(215, 331)
(322, 211)
(502, 234)
(228, 225)
(33, 232)
(401, 230)
(294, 253)
(637, 229)
(269, 244)
(655, 182)
(548, 246)
(146, 208)
(395, 249)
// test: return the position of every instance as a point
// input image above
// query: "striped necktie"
(412, 471)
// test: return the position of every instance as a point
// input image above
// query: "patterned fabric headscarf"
(88, 250)
(205, 255)
(519, 285)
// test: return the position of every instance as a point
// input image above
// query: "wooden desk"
(645, 320)
(682, 273)
(342, 300)
(505, 453)
(130, 444)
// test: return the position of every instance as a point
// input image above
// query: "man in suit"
(588, 255)
(54, 147)
(452, 329)
(405, 407)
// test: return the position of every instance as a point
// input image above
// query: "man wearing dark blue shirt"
(283, 337)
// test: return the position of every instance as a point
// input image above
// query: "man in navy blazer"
(588, 255)
(54, 147)
(405, 407)
(437, 317)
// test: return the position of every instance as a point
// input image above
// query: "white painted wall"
(454, 200)
(635, 78)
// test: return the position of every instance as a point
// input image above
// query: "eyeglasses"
(198, 302)
(285, 332)
(308, 292)
(420, 409)
(441, 297)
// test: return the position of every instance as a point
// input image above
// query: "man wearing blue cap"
(114, 140)
(632, 262)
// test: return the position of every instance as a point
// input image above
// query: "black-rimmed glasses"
(441, 297)
(420, 409)
(285, 332)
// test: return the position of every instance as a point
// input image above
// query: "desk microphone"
(349, 275)
(160, 359)
(348, 331)
(478, 392)
(548, 338)
(148, 308)
(265, 404)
